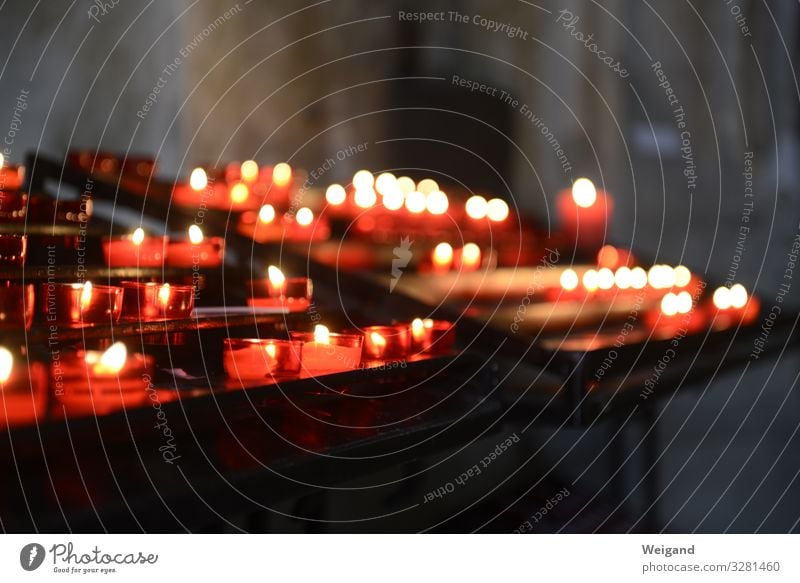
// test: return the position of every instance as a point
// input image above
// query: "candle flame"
(443, 254)
(271, 350)
(738, 296)
(406, 185)
(416, 202)
(335, 194)
(684, 302)
(590, 280)
(86, 295)
(476, 207)
(623, 277)
(195, 235)
(721, 298)
(584, 193)
(437, 202)
(608, 256)
(321, 334)
(275, 276)
(6, 364)
(138, 236)
(385, 183)
(605, 278)
(497, 210)
(112, 360)
(569, 279)
(249, 171)
(163, 294)
(394, 199)
(365, 197)
(638, 278)
(682, 276)
(427, 186)
(239, 192)
(363, 180)
(304, 217)
(281, 174)
(266, 214)
(377, 340)
(2, 160)
(471, 255)
(198, 180)
(417, 329)
(669, 304)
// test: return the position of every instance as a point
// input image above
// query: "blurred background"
(300, 82)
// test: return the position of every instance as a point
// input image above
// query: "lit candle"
(733, 306)
(76, 304)
(154, 301)
(437, 202)
(325, 353)
(278, 291)
(676, 312)
(470, 257)
(442, 258)
(497, 210)
(385, 342)
(304, 226)
(16, 306)
(11, 177)
(199, 191)
(261, 358)
(196, 251)
(135, 250)
(584, 213)
(23, 390)
(432, 337)
(475, 207)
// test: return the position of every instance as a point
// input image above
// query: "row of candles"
(240, 187)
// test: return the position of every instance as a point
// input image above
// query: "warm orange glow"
(385, 183)
(335, 194)
(281, 174)
(416, 202)
(638, 278)
(275, 276)
(6, 364)
(266, 214)
(111, 361)
(304, 217)
(569, 279)
(584, 193)
(418, 329)
(406, 185)
(322, 334)
(270, 350)
(198, 180)
(249, 171)
(195, 235)
(661, 277)
(394, 199)
(722, 298)
(608, 256)
(738, 296)
(682, 276)
(669, 304)
(86, 295)
(437, 203)
(605, 278)
(471, 256)
(443, 255)
(239, 193)
(377, 340)
(623, 277)
(365, 197)
(164, 293)
(590, 280)
(497, 210)
(427, 186)
(363, 180)
(476, 207)
(684, 302)
(138, 236)
(2, 163)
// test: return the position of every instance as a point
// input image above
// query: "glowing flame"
(682, 276)
(363, 180)
(304, 217)
(605, 278)
(638, 278)
(684, 302)
(2, 160)
(335, 194)
(443, 255)
(322, 334)
(738, 296)
(476, 207)
(164, 294)
(406, 185)
(365, 197)
(394, 199)
(416, 202)
(198, 180)
(138, 236)
(281, 174)
(86, 295)
(239, 193)
(584, 193)
(271, 350)
(427, 186)
(418, 329)
(569, 279)
(385, 183)
(722, 298)
(661, 277)
(669, 304)
(249, 171)
(437, 203)
(608, 256)
(590, 280)
(195, 235)
(266, 214)
(112, 360)
(6, 364)
(275, 276)
(623, 277)
(471, 255)
(377, 340)
(497, 210)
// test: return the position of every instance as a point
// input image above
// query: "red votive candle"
(385, 342)
(585, 214)
(11, 177)
(13, 249)
(81, 304)
(326, 353)
(135, 250)
(432, 336)
(156, 301)
(23, 389)
(16, 306)
(250, 359)
(304, 226)
(732, 306)
(196, 251)
(278, 291)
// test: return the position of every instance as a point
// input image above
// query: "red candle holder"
(13, 249)
(585, 214)
(101, 381)
(76, 304)
(207, 252)
(11, 177)
(294, 294)
(135, 251)
(723, 318)
(329, 353)
(213, 195)
(23, 389)
(385, 342)
(16, 306)
(434, 337)
(156, 301)
(250, 359)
